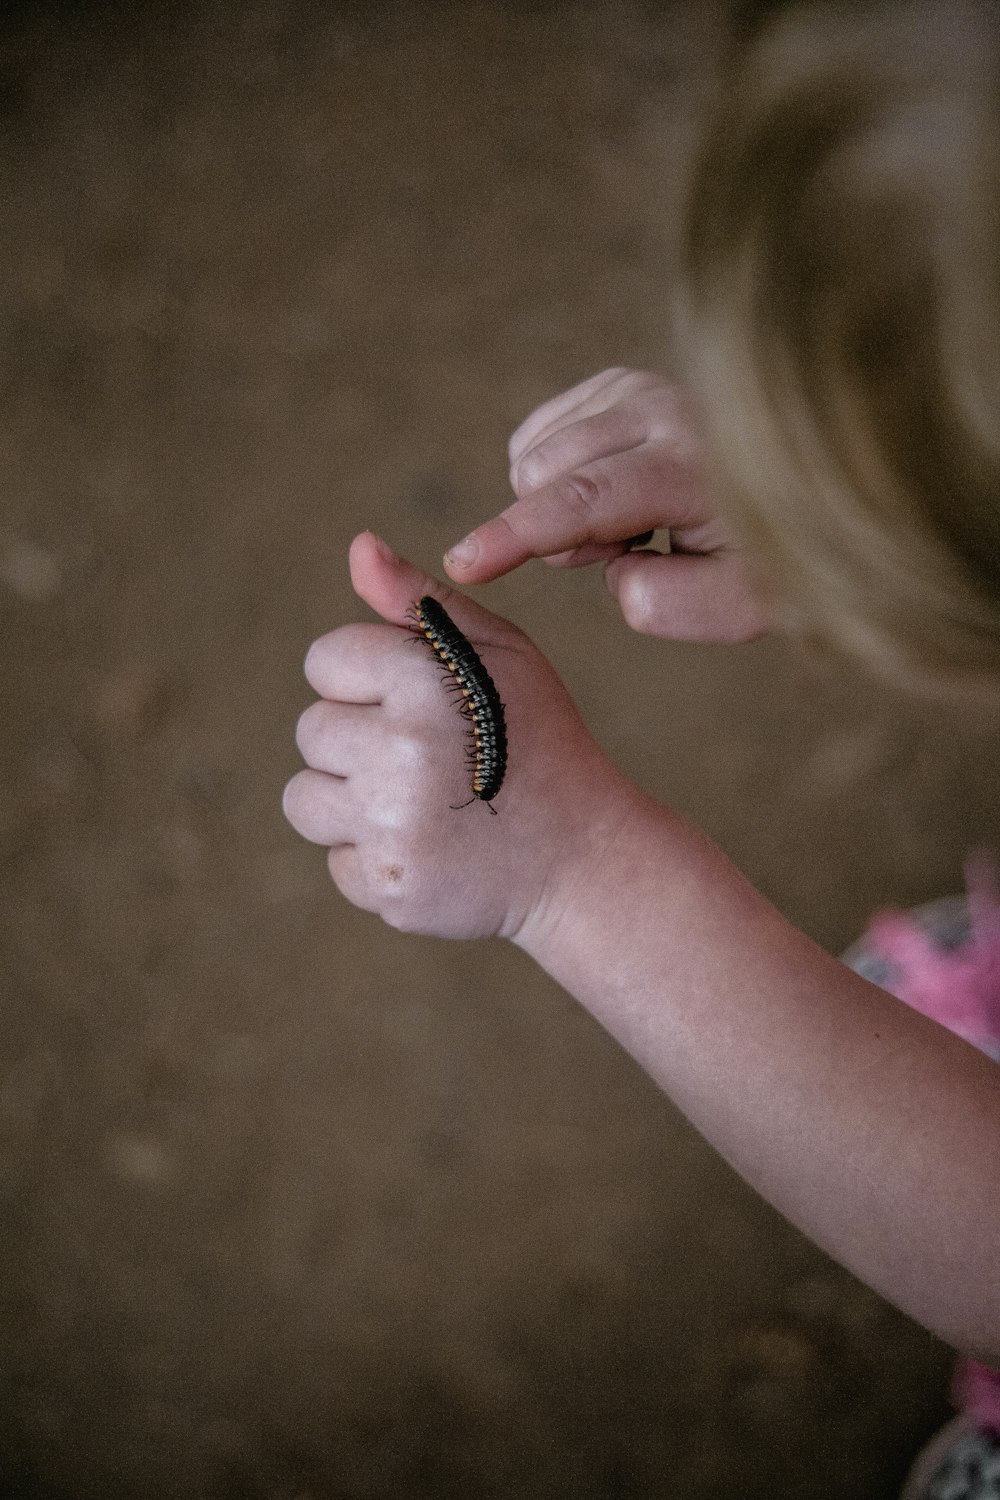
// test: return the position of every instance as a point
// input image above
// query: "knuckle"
(584, 496)
(327, 651)
(550, 459)
(292, 797)
(533, 472)
(309, 727)
(320, 653)
(407, 750)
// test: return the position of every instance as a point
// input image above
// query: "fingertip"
(624, 564)
(387, 583)
(368, 544)
(461, 557)
(478, 558)
(637, 582)
(363, 542)
(532, 472)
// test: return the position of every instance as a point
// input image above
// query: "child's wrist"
(592, 878)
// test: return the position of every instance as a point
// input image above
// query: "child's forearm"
(873, 1129)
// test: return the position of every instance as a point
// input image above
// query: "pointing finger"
(609, 501)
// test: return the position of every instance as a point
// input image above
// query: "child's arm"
(874, 1130)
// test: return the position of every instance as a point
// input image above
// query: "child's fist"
(386, 752)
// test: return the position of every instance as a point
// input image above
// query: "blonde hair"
(840, 321)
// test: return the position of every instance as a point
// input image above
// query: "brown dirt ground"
(291, 1205)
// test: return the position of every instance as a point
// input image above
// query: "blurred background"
(292, 1205)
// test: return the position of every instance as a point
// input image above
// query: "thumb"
(392, 586)
(688, 596)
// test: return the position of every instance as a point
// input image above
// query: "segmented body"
(480, 703)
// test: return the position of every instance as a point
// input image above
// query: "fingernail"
(384, 550)
(464, 553)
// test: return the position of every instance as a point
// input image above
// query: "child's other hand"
(612, 458)
(386, 747)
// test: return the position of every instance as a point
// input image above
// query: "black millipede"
(480, 704)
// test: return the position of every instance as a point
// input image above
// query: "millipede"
(480, 703)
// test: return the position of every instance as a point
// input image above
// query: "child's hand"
(606, 461)
(386, 750)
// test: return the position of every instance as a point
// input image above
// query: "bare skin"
(614, 457)
(874, 1130)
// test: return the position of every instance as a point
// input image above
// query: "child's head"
(841, 319)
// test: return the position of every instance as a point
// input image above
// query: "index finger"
(594, 505)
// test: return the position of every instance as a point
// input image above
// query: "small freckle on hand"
(392, 874)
